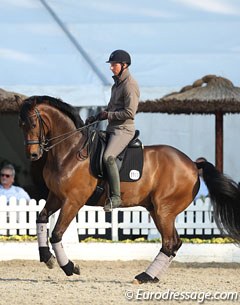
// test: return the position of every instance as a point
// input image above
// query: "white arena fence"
(19, 217)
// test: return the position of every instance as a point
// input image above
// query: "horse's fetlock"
(42, 218)
(44, 254)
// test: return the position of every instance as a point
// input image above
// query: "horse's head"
(39, 118)
(32, 124)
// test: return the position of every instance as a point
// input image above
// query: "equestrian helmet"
(120, 56)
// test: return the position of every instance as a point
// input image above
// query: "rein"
(43, 142)
(65, 136)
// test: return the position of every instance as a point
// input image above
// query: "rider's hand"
(90, 120)
(103, 115)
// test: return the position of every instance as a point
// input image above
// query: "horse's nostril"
(34, 156)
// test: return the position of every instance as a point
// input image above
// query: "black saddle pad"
(132, 165)
(130, 161)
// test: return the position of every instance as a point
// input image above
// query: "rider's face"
(116, 67)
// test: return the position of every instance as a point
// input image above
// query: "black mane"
(67, 109)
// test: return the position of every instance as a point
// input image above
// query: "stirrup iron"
(108, 207)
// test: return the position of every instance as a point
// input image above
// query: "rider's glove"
(103, 115)
(90, 120)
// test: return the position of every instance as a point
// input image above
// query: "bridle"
(43, 141)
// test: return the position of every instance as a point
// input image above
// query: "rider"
(120, 113)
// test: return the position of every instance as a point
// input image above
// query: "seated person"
(203, 190)
(7, 188)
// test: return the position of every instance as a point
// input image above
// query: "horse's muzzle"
(34, 153)
(34, 156)
(34, 150)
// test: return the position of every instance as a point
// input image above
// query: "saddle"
(129, 161)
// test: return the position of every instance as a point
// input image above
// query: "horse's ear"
(18, 100)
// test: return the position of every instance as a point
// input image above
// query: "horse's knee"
(56, 237)
(42, 217)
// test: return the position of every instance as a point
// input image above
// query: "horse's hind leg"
(170, 244)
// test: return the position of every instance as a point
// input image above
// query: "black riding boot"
(114, 183)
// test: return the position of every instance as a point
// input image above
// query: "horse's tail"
(225, 197)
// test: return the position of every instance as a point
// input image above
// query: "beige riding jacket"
(124, 101)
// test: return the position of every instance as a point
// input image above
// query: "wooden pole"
(219, 140)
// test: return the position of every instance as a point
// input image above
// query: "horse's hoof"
(143, 278)
(76, 269)
(136, 282)
(51, 262)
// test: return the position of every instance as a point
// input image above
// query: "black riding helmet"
(120, 56)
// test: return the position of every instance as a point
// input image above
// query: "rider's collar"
(120, 78)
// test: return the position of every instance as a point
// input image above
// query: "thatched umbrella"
(8, 101)
(209, 95)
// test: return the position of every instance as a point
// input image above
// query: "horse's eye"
(21, 123)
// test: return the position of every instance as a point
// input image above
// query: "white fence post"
(3, 215)
(115, 225)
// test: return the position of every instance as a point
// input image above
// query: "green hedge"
(215, 240)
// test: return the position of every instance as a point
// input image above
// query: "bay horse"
(169, 183)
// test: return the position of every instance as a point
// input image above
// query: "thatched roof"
(8, 101)
(204, 96)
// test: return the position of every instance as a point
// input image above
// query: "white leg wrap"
(159, 266)
(42, 235)
(60, 254)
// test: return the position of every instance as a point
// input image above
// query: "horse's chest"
(52, 181)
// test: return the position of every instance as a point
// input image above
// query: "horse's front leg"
(42, 237)
(66, 215)
(52, 205)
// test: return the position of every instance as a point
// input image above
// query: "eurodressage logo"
(134, 174)
(199, 296)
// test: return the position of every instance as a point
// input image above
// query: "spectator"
(7, 188)
(203, 190)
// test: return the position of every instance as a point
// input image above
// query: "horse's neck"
(65, 138)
